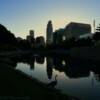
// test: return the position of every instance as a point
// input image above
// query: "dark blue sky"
(20, 16)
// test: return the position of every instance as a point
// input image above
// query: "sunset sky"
(19, 16)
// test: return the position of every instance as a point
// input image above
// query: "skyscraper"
(30, 37)
(75, 29)
(31, 32)
(49, 33)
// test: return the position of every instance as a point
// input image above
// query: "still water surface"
(73, 78)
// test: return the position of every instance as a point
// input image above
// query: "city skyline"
(20, 16)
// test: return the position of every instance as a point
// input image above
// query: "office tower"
(49, 33)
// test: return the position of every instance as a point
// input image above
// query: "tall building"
(30, 37)
(31, 32)
(73, 29)
(49, 33)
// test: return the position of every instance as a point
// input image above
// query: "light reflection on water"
(85, 87)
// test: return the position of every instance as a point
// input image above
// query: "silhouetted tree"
(98, 28)
(96, 36)
(6, 36)
(7, 39)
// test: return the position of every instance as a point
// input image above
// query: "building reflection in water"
(40, 59)
(32, 64)
(60, 64)
(73, 68)
(75, 73)
(49, 67)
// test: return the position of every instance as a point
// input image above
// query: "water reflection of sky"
(86, 88)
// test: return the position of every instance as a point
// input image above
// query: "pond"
(74, 77)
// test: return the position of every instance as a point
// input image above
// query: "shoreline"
(88, 53)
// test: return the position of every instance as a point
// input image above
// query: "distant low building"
(88, 35)
(39, 42)
(59, 36)
(19, 39)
